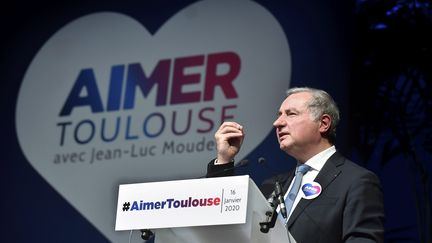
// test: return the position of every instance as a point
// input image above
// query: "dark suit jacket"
(349, 208)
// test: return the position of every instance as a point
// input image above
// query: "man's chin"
(284, 146)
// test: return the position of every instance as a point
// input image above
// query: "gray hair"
(320, 103)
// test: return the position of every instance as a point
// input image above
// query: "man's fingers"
(232, 125)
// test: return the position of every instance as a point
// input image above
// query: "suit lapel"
(327, 174)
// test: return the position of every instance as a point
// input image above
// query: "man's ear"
(325, 123)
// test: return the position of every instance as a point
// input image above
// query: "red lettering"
(216, 201)
(205, 119)
(224, 81)
(180, 79)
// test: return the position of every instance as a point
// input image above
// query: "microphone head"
(278, 189)
(243, 162)
(263, 162)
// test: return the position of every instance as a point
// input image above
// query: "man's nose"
(278, 122)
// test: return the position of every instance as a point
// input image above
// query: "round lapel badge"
(311, 190)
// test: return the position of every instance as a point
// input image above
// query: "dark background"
(373, 57)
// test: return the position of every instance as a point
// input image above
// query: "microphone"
(272, 199)
(276, 197)
(241, 163)
(263, 162)
(278, 192)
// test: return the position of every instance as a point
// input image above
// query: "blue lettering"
(170, 202)
(146, 132)
(134, 206)
(176, 204)
(148, 206)
(63, 130)
(136, 77)
(188, 124)
(91, 135)
(86, 80)
(127, 135)
(115, 88)
(117, 129)
(157, 205)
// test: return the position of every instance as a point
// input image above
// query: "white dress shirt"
(316, 163)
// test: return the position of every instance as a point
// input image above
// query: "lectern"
(209, 210)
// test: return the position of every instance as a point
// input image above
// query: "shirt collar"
(318, 160)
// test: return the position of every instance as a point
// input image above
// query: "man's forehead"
(295, 102)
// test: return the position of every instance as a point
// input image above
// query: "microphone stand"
(272, 215)
(275, 200)
(146, 234)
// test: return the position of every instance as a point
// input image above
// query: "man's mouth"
(282, 135)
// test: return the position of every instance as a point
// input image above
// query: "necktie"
(289, 201)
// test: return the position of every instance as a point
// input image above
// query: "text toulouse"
(184, 87)
(172, 203)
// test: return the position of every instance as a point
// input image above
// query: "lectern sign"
(196, 202)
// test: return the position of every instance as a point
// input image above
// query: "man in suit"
(345, 204)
